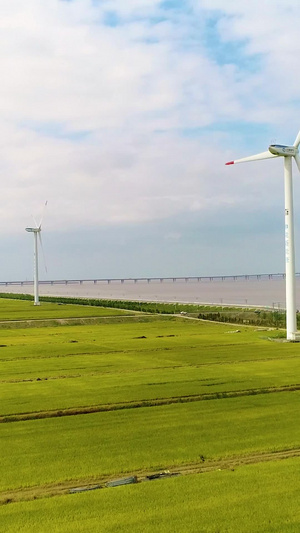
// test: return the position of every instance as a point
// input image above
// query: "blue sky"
(122, 113)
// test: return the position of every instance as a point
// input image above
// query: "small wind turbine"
(36, 232)
(287, 152)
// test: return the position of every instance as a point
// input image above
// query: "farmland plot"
(84, 404)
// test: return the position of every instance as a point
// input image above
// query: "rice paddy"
(136, 395)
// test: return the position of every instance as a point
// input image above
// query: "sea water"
(241, 292)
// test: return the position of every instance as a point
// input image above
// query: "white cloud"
(60, 65)
(133, 121)
(269, 29)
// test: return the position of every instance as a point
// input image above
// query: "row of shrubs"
(147, 307)
(268, 318)
(225, 314)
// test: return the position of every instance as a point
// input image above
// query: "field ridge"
(68, 321)
(136, 404)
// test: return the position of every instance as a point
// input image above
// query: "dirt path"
(86, 484)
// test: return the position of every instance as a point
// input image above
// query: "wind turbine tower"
(36, 234)
(287, 152)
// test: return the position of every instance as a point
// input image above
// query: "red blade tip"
(230, 163)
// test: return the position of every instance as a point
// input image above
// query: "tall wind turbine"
(287, 152)
(36, 232)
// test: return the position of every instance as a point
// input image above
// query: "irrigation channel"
(254, 290)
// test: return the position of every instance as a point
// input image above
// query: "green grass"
(216, 313)
(57, 368)
(83, 385)
(251, 499)
(25, 310)
(46, 451)
(138, 359)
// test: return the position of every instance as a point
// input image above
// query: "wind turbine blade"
(42, 216)
(43, 253)
(297, 140)
(297, 159)
(257, 157)
(35, 222)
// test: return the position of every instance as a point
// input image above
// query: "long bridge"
(174, 279)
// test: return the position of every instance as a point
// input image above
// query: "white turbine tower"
(287, 152)
(36, 232)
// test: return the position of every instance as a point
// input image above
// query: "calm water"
(262, 292)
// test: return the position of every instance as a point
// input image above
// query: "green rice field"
(212, 409)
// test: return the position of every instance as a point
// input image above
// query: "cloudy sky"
(122, 113)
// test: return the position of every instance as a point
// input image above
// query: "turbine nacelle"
(33, 230)
(287, 152)
(275, 150)
(282, 150)
(36, 230)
